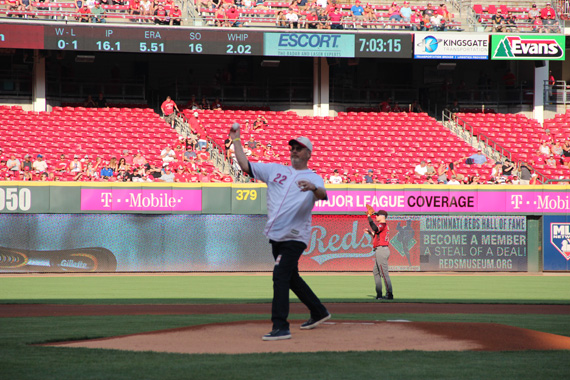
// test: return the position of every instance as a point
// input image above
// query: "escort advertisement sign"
(528, 47)
(451, 46)
(309, 45)
(556, 243)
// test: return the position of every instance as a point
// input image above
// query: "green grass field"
(22, 360)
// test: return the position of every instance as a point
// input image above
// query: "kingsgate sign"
(528, 47)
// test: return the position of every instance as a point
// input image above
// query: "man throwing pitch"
(291, 195)
(380, 242)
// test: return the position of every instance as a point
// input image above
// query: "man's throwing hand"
(305, 185)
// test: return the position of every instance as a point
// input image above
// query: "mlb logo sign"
(560, 238)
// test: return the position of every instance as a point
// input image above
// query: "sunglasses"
(296, 148)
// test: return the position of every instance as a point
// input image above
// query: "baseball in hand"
(235, 126)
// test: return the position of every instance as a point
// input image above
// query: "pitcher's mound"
(245, 337)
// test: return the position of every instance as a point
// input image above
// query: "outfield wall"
(105, 227)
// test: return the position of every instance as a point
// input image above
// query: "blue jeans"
(285, 277)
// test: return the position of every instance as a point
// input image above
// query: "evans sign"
(528, 47)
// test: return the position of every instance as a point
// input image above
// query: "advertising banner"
(299, 44)
(451, 45)
(163, 243)
(528, 47)
(556, 243)
(62, 198)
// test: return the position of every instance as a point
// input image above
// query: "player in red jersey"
(380, 246)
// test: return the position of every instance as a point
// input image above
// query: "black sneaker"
(312, 323)
(388, 296)
(379, 297)
(277, 335)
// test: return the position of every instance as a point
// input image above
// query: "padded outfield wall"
(107, 227)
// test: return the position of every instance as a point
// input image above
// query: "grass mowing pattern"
(246, 289)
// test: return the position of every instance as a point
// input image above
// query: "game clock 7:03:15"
(386, 45)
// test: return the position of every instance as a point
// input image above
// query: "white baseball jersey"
(288, 208)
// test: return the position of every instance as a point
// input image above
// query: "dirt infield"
(244, 337)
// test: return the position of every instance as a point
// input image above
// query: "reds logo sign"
(560, 238)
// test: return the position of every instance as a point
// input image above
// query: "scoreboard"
(206, 41)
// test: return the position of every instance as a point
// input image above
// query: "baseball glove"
(369, 210)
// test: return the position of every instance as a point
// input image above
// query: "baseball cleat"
(277, 335)
(312, 323)
(388, 296)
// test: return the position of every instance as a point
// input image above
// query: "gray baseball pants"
(380, 270)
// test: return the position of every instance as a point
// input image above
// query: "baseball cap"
(195, 114)
(39, 156)
(381, 212)
(303, 141)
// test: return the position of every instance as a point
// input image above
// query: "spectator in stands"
(370, 16)
(454, 109)
(442, 173)
(335, 178)
(135, 9)
(324, 19)
(533, 12)
(101, 101)
(566, 153)
(394, 14)
(397, 108)
(437, 22)
(89, 102)
(421, 168)
(280, 20)
(98, 14)
(406, 12)
(538, 26)
(369, 177)
(169, 109)
(498, 21)
(203, 155)
(551, 161)
(429, 11)
(13, 163)
(217, 105)
(386, 106)
(39, 164)
(357, 14)
(548, 15)
(543, 149)
(161, 15)
(393, 179)
(510, 22)
(176, 15)
(113, 164)
(444, 12)
(476, 159)
(259, 123)
(525, 173)
(232, 16)
(139, 159)
(292, 19)
(75, 165)
(84, 14)
(122, 165)
(425, 23)
(146, 9)
(312, 20)
(167, 175)
(335, 18)
(167, 154)
(508, 168)
(416, 107)
(453, 180)
(430, 169)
